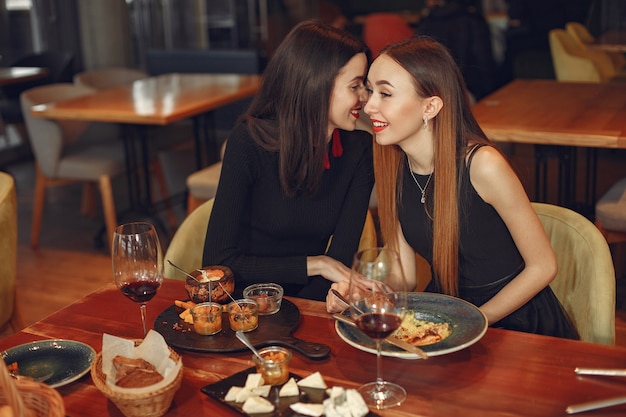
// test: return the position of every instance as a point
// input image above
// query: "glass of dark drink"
(137, 263)
(378, 302)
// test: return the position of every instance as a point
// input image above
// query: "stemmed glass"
(137, 263)
(378, 300)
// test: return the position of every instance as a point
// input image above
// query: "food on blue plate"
(421, 332)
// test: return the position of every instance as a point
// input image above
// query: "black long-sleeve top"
(265, 236)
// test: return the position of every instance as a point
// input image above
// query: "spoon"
(272, 369)
(182, 270)
(242, 337)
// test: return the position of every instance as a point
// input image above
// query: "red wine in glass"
(137, 263)
(377, 297)
(378, 325)
(140, 291)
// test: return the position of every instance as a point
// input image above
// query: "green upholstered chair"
(585, 283)
(185, 249)
(8, 249)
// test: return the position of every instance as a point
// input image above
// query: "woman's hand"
(329, 268)
(334, 304)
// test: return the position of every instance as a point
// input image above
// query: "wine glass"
(378, 302)
(137, 263)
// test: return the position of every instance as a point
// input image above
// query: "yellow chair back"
(585, 283)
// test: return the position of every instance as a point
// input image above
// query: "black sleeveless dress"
(488, 258)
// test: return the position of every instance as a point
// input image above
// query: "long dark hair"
(434, 73)
(289, 115)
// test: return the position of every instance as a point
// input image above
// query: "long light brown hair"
(434, 73)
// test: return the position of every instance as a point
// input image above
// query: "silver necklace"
(423, 190)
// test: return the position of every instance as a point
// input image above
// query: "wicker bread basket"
(149, 404)
(28, 398)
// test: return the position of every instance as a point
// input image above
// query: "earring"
(425, 123)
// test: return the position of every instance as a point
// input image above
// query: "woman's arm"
(496, 183)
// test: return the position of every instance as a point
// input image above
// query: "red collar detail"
(336, 148)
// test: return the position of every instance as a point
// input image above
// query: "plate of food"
(305, 394)
(54, 362)
(439, 324)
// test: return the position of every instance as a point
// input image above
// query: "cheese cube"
(257, 405)
(262, 391)
(315, 380)
(231, 395)
(253, 381)
(307, 409)
(243, 395)
(290, 389)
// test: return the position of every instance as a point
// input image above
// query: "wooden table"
(160, 101)
(506, 373)
(548, 112)
(14, 75)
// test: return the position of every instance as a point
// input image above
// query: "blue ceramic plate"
(59, 361)
(468, 325)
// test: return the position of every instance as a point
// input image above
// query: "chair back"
(571, 57)
(8, 247)
(579, 32)
(187, 246)
(381, 29)
(101, 79)
(582, 35)
(585, 282)
(570, 62)
(48, 137)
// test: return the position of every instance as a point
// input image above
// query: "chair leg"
(108, 207)
(157, 170)
(38, 203)
(88, 201)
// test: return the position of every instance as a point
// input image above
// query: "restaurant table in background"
(506, 373)
(612, 41)
(159, 101)
(13, 75)
(548, 112)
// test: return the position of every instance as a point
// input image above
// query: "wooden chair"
(582, 35)
(69, 151)
(185, 249)
(8, 249)
(585, 283)
(104, 78)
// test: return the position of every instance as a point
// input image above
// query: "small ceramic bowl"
(207, 318)
(216, 282)
(243, 315)
(276, 371)
(268, 296)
